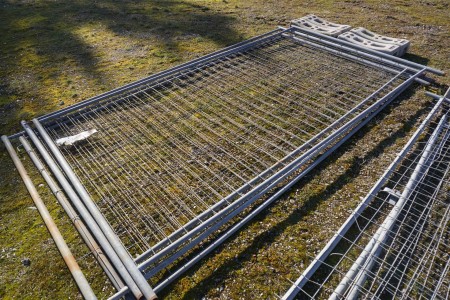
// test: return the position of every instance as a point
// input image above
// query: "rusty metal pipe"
(87, 218)
(95, 213)
(67, 255)
(73, 215)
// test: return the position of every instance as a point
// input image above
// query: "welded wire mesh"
(413, 261)
(170, 150)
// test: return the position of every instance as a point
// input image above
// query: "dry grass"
(54, 54)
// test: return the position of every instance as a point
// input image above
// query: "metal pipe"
(358, 272)
(435, 96)
(121, 293)
(339, 52)
(357, 58)
(353, 47)
(432, 95)
(67, 255)
(264, 205)
(115, 242)
(413, 244)
(90, 222)
(354, 52)
(78, 223)
(332, 243)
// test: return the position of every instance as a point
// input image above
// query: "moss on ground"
(55, 53)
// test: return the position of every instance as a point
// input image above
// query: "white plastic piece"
(70, 140)
(312, 22)
(362, 32)
(394, 193)
(391, 49)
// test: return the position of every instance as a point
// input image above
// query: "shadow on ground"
(41, 46)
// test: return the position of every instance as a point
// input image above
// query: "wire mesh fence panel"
(398, 247)
(170, 150)
(417, 252)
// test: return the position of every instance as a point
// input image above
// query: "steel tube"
(357, 274)
(433, 95)
(352, 47)
(67, 255)
(315, 264)
(90, 222)
(354, 52)
(420, 225)
(357, 58)
(344, 54)
(78, 223)
(121, 293)
(437, 97)
(115, 242)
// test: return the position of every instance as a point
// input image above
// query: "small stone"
(61, 103)
(26, 262)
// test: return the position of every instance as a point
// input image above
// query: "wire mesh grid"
(170, 150)
(412, 260)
